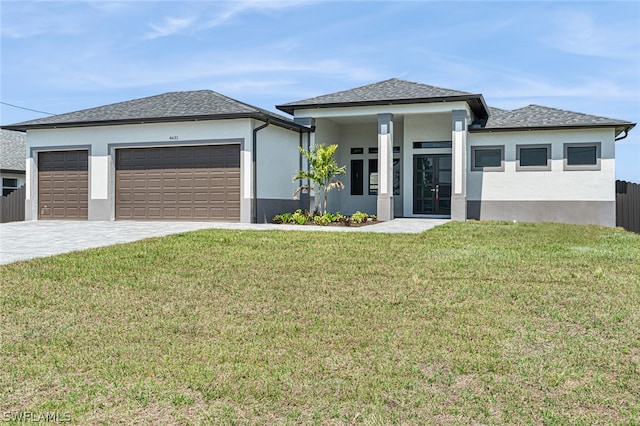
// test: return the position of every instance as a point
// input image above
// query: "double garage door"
(168, 183)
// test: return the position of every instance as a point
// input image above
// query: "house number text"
(173, 138)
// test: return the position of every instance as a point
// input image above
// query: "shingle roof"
(172, 106)
(13, 150)
(537, 117)
(388, 91)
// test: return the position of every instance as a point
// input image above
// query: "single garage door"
(63, 189)
(178, 183)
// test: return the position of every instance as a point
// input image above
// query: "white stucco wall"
(102, 165)
(554, 185)
(278, 161)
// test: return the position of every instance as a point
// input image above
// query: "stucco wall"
(102, 141)
(556, 195)
(556, 184)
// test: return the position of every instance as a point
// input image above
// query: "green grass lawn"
(486, 323)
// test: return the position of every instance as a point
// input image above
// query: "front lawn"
(490, 323)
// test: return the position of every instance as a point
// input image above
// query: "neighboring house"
(13, 154)
(411, 150)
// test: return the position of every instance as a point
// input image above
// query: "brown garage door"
(63, 189)
(178, 183)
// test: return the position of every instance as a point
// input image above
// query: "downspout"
(619, 138)
(254, 155)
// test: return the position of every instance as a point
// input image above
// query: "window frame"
(581, 167)
(546, 167)
(8, 189)
(476, 148)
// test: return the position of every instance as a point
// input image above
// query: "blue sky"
(577, 55)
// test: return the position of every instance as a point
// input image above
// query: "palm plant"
(323, 168)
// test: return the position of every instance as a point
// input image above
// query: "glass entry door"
(432, 184)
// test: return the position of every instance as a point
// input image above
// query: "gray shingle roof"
(172, 106)
(13, 150)
(536, 116)
(389, 91)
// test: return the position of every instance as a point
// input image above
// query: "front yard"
(490, 323)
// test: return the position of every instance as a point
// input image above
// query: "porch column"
(385, 167)
(459, 165)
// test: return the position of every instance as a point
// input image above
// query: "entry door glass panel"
(432, 184)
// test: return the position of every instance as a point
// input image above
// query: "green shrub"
(300, 217)
(282, 218)
(359, 217)
(323, 220)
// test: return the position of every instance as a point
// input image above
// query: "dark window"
(9, 185)
(396, 149)
(357, 177)
(357, 150)
(373, 150)
(487, 158)
(439, 144)
(373, 176)
(582, 156)
(533, 157)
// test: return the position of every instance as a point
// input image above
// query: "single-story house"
(411, 150)
(13, 146)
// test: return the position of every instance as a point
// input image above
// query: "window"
(582, 156)
(442, 144)
(357, 177)
(487, 158)
(373, 150)
(533, 157)
(373, 176)
(357, 151)
(9, 185)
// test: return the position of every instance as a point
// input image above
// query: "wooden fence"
(628, 205)
(12, 206)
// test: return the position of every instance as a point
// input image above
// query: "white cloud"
(168, 27)
(578, 32)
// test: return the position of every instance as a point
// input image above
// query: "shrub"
(359, 217)
(300, 217)
(323, 220)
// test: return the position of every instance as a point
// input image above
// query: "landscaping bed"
(304, 217)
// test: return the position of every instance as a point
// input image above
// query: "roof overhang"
(618, 128)
(476, 103)
(12, 171)
(273, 119)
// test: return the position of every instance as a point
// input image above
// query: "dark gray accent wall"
(576, 212)
(269, 207)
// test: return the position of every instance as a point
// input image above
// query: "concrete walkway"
(42, 238)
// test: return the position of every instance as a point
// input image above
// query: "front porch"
(398, 165)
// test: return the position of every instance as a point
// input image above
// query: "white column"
(99, 206)
(385, 167)
(459, 165)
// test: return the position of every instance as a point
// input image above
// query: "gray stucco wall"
(576, 212)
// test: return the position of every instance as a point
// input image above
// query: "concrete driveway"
(42, 238)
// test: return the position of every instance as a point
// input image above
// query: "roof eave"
(619, 128)
(99, 123)
(12, 171)
(475, 101)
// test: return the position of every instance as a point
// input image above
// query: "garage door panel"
(189, 183)
(63, 189)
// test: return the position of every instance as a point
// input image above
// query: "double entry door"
(432, 184)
